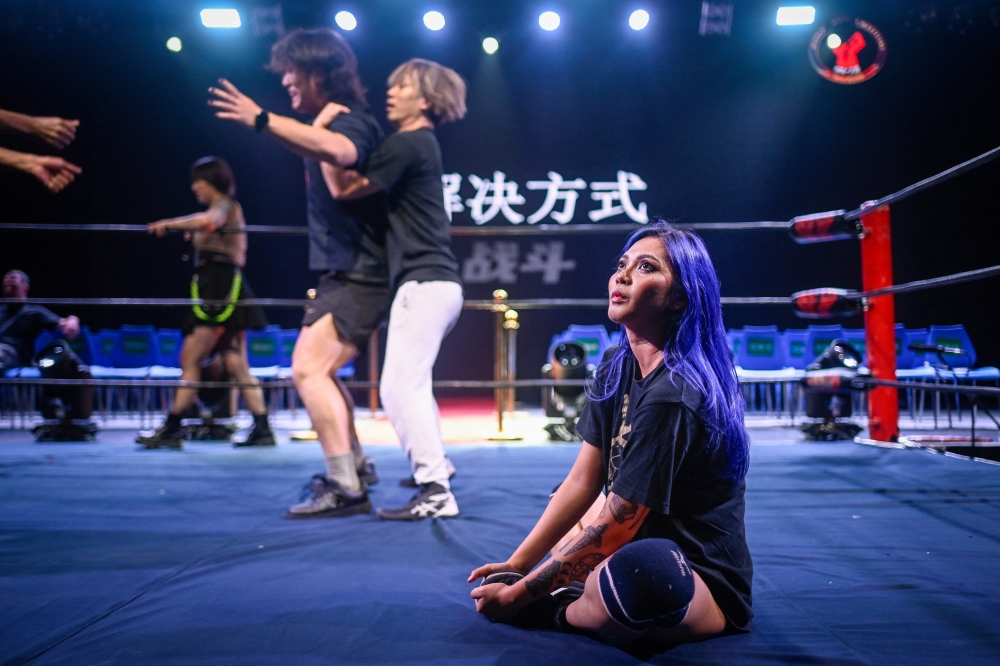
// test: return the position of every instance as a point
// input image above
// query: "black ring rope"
(944, 281)
(535, 230)
(906, 192)
(490, 306)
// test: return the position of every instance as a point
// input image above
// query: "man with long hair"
(407, 169)
(346, 242)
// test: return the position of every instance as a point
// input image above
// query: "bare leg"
(352, 432)
(237, 365)
(197, 346)
(704, 619)
(318, 353)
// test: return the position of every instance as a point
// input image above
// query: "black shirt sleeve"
(660, 437)
(593, 422)
(358, 131)
(392, 160)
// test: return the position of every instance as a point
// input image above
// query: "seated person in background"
(665, 559)
(20, 324)
(55, 173)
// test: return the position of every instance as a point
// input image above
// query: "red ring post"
(880, 324)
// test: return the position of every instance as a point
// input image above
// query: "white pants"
(422, 314)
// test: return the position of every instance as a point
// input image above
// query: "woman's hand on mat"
(329, 114)
(499, 602)
(234, 105)
(487, 569)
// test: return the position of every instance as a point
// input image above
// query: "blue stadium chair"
(264, 352)
(818, 338)
(761, 349)
(288, 339)
(964, 364)
(133, 355)
(734, 336)
(103, 344)
(905, 357)
(168, 354)
(795, 348)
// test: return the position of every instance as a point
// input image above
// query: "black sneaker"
(163, 437)
(329, 500)
(366, 471)
(257, 436)
(432, 501)
(410, 482)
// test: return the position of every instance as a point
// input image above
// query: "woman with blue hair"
(662, 558)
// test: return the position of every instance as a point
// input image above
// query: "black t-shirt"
(21, 324)
(407, 167)
(655, 448)
(347, 236)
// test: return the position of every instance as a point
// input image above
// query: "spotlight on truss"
(549, 21)
(490, 45)
(639, 19)
(220, 18)
(434, 20)
(804, 15)
(345, 20)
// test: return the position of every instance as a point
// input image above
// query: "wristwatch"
(260, 122)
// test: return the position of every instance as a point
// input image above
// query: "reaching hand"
(159, 228)
(487, 569)
(234, 105)
(55, 173)
(58, 132)
(329, 114)
(70, 326)
(497, 602)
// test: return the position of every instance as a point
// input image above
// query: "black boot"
(170, 435)
(259, 435)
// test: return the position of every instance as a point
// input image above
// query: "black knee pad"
(647, 583)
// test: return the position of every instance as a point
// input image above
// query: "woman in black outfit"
(664, 555)
(211, 330)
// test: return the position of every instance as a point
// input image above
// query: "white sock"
(341, 469)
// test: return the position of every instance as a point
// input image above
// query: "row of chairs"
(765, 348)
(140, 352)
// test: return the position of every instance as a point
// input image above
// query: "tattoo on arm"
(591, 536)
(585, 564)
(622, 510)
(542, 583)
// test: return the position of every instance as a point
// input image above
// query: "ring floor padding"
(116, 556)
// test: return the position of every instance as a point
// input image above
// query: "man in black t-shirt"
(346, 242)
(20, 324)
(407, 170)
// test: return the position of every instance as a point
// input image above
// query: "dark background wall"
(721, 129)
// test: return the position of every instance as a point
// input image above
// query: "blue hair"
(695, 348)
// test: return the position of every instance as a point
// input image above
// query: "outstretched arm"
(210, 220)
(57, 132)
(615, 526)
(55, 173)
(317, 143)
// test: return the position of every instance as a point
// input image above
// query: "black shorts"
(215, 281)
(358, 306)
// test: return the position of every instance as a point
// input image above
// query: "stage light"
(434, 20)
(548, 21)
(220, 18)
(345, 20)
(174, 44)
(490, 45)
(796, 15)
(833, 41)
(639, 19)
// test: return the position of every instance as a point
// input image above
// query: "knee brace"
(647, 583)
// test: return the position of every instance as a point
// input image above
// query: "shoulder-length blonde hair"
(439, 85)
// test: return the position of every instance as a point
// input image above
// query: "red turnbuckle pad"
(826, 303)
(823, 227)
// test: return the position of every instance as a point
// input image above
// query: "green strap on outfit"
(234, 295)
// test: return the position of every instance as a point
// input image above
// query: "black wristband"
(260, 122)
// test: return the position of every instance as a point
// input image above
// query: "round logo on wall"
(847, 51)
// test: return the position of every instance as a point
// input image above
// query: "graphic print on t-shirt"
(618, 445)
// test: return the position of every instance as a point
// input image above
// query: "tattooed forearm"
(542, 583)
(585, 565)
(622, 510)
(591, 536)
